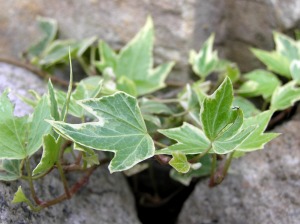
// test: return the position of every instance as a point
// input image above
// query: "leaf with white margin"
(10, 170)
(206, 61)
(191, 140)
(295, 70)
(135, 62)
(120, 129)
(260, 82)
(246, 106)
(274, 61)
(20, 197)
(257, 139)
(285, 96)
(180, 162)
(286, 46)
(50, 154)
(216, 110)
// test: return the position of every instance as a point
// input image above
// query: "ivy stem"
(31, 186)
(63, 178)
(227, 164)
(213, 170)
(160, 144)
(199, 156)
(166, 100)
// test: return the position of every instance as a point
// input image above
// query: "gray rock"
(19, 81)
(105, 199)
(262, 187)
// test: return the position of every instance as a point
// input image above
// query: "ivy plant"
(198, 132)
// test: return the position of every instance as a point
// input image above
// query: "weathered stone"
(19, 81)
(262, 187)
(180, 25)
(105, 199)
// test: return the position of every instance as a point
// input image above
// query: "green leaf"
(58, 52)
(84, 45)
(127, 85)
(38, 126)
(10, 170)
(153, 107)
(108, 57)
(260, 82)
(216, 110)
(233, 72)
(135, 62)
(257, 139)
(90, 157)
(295, 70)
(274, 62)
(12, 131)
(286, 46)
(120, 129)
(87, 88)
(53, 101)
(246, 106)
(49, 28)
(191, 140)
(179, 162)
(285, 96)
(20, 197)
(232, 136)
(202, 171)
(206, 61)
(50, 154)
(222, 123)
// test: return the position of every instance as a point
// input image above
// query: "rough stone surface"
(105, 199)
(262, 187)
(180, 25)
(19, 81)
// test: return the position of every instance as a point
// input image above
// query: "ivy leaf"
(84, 45)
(20, 197)
(286, 46)
(260, 82)
(135, 62)
(257, 139)
(191, 140)
(10, 170)
(12, 131)
(285, 96)
(127, 85)
(153, 107)
(222, 123)
(206, 61)
(108, 57)
(50, 154)
(53, 101)
(49, 28)
(120, 129)
(180, 162)
(274, 62)
(216, 110)
(295, 70)
(38, 126)
(22, 136)
(231, 136)
(202, 171)
(87, 88)
(246, 106)
(58, 51)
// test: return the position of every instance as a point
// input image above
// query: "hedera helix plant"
(198, 133)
